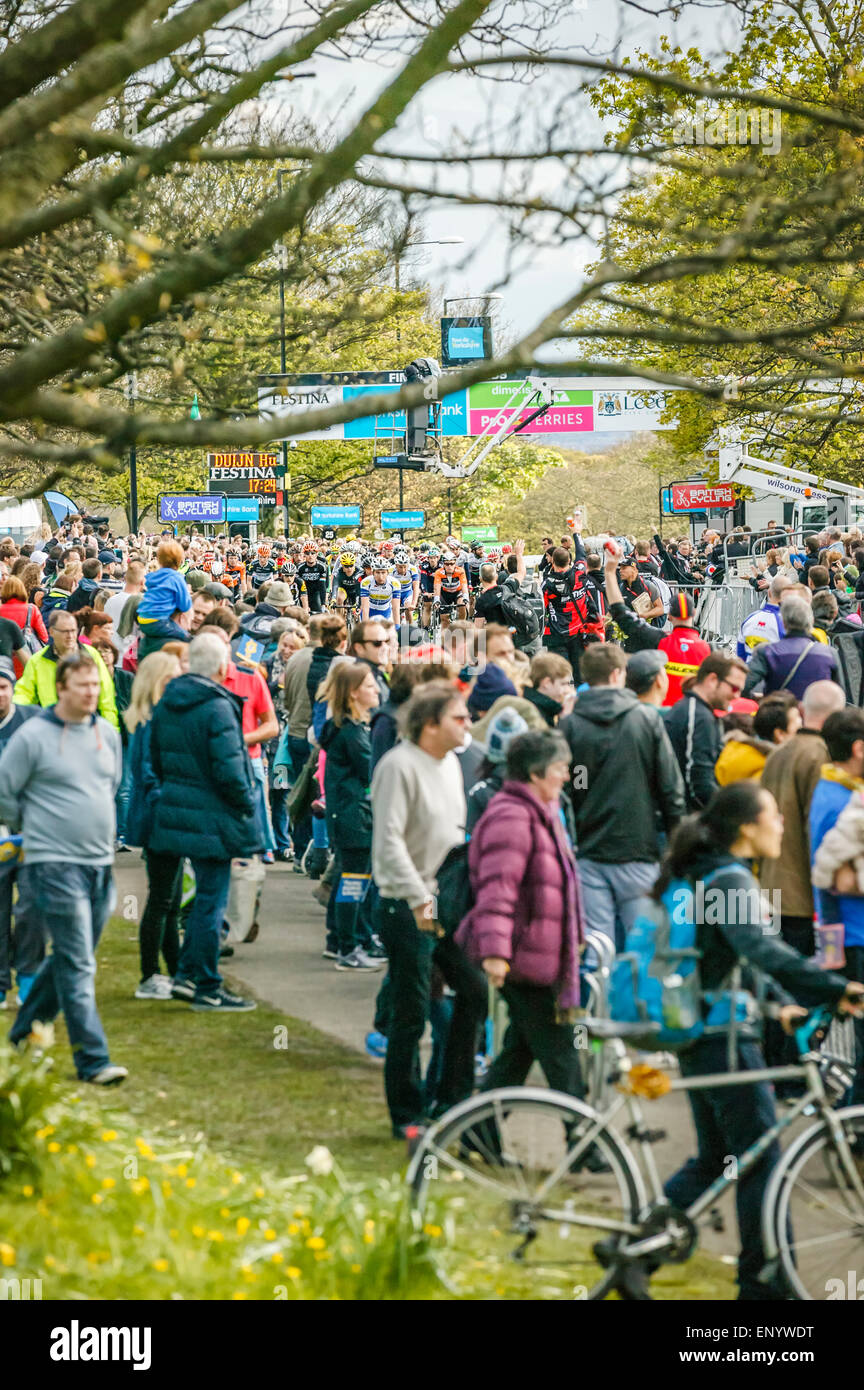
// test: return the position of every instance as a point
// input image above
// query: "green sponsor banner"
(498, 393)
(479, 533)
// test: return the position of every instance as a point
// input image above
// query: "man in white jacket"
(418, 808)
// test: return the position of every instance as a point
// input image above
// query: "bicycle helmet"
(506, 725)
(401, 555)
(387, 547)
(380, 562)
(347, 559)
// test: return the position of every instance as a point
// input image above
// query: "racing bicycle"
(522, 1210)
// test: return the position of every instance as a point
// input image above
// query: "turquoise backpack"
(656, 980)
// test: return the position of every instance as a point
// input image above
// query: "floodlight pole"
(132, 394)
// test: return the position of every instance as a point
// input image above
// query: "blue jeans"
(279, 818)
(25, 947)
(74, 902)
(199, 957)
(124, 796)
(610, 893)
(260, 790)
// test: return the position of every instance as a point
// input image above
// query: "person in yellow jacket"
(38, 684)
(746, 750)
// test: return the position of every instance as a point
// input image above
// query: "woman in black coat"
(206, 807)
(352, 694)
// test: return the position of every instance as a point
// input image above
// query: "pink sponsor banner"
(558, 419)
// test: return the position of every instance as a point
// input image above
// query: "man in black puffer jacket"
(205, 809)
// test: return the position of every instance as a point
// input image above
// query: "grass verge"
(191, 1179)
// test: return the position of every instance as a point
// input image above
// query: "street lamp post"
(132, 396)
(435, 241)
(282, 361)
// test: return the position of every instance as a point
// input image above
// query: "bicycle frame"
(652, 1193)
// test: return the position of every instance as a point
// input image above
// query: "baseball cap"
(682, 606)
(643, 668)
(7, 670)
(107, 557)
(217, 591)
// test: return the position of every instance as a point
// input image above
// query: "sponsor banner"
(486, 534)
(243, 508)
(266, 488)
(554, 420)
(403, 521)
(607, 404)
(192, 506)
(287, 399)
(629, 410)
(336, 516)
(498, 393)
(700, 497)
(240, 464)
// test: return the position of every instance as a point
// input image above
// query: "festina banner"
(579, 404)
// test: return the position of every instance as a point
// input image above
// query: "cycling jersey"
(426, 570)
(349, 583)
(380, 596)
(259, 574)
(453, 586)
(472, 570)
(405, 582)
(314, 576)
(568, 602)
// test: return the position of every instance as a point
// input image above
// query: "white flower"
(42, 1034)
(320, 1161)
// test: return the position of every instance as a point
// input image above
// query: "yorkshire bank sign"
(579, 404)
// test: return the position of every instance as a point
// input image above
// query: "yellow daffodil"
(316, 1243)
(7, 1255)
(293, 1272)
(97, 1199)
(27, 1191)
(108, 1135)
(161, 1264)
(243, 1224)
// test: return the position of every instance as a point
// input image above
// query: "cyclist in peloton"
(345, 592)
(427, 564)
(379, 595)
(451, 589)
(406, 576)
(312, 571)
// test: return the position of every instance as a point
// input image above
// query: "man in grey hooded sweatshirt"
(58, 779)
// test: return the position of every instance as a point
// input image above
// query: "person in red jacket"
(14, 606)
(683, 648)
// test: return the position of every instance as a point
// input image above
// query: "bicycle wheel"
(817, 1213)
(520, 1214)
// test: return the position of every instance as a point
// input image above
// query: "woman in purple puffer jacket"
(526, 925)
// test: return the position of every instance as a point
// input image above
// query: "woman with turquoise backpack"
(712, 853)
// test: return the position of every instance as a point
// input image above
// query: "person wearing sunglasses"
(694, 730)
(370, 643)
(418, 816)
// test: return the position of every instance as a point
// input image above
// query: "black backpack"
(455, 894)
(520, 615)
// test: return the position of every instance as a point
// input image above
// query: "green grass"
(242, 1099)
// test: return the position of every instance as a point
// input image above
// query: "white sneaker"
(109, 1076)
(358, 961)
(157, 987)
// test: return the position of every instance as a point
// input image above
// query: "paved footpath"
(284, 967)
